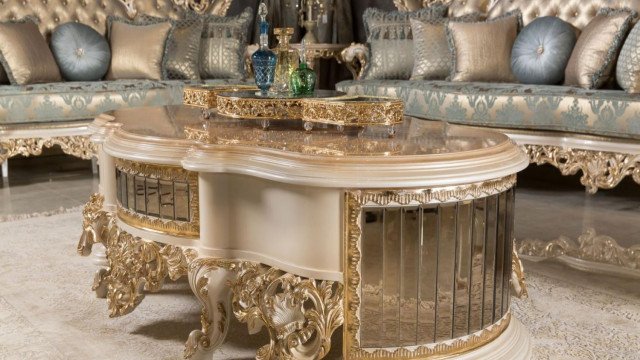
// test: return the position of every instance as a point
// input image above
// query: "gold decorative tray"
(353, 111)
(205, 96)
(252, 106)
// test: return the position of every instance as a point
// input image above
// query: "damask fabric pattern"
(593, 58)
(431, 53)
(224, 42)
(67, 101)
(612, 113)
(391, 41)
(628, 66)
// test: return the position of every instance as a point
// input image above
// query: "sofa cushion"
(391, 41)
(542, 50)
(68, 101)
(611, 113)
(25, 55)
(482, 50)
(628, 66)
(81, 52)
(593, 58)
(138, 49)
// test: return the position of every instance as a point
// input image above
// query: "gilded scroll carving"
(136, 265)
(589, 246)
(300, 314)
(518, 283)
(600, 170)
(95, 223)
(79, 146)
(356, 58)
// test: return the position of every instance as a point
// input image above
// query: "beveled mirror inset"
(434, 272)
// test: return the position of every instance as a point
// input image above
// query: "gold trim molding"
(589, 247)
(259, 108)
(600, 169)
(354, 110)
(188, 229)
(206, 96)
(79, 146)
(355, 202)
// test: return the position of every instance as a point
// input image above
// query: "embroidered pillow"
(81, 52)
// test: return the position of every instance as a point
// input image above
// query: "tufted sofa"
(596, 132)
(36, 116)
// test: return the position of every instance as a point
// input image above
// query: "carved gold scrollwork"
(518, 283)
(95, 223)
(300, 314)
(356, 58)
(600, 169)
(79, 146)
(589, 247)
(136, 265)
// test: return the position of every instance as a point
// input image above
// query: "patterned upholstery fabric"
(391, 41)
(84, 100)
(224, 42)
(183, 50)
(431, 53)
(612, 113)
(576, 12)
(456, 7)
(628, 66)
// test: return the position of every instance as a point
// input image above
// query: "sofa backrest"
(52, 13)
(577, 12)
(456, 7)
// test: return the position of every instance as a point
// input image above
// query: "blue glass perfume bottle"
(264, 60)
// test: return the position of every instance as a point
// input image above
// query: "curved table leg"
(208, 279)
(95, 229)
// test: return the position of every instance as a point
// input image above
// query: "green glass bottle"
(303, 80)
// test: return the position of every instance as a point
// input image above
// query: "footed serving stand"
(404, 242)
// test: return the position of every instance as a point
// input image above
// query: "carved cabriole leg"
(95, 230)
(299, 314)
(600, 169)
(135, 265)
(209, 279)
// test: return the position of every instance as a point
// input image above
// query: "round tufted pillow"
(542, 50)
(81, 52)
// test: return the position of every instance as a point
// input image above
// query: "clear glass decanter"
(264, 60)
(287, 60)
(303, 80)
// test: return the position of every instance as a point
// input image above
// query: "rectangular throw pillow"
(138, 49)
(390, 40)
(593, 58)
(482, 50)
(223, 44)
(431, 54)
(25, 55)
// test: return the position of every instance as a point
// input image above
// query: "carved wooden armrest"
(355, 58)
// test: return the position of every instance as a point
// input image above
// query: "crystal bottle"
(264, 60)
(303, 80)
(287, 60)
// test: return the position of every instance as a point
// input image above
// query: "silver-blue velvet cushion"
(81, 52)
(542, 50)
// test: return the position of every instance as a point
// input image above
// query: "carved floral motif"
(600, 169)
(79, 146)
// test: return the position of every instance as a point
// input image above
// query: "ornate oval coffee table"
(405, 242)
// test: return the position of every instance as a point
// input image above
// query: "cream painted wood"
(295, 228)
(5, 169)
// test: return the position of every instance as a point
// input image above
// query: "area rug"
(47, 310)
